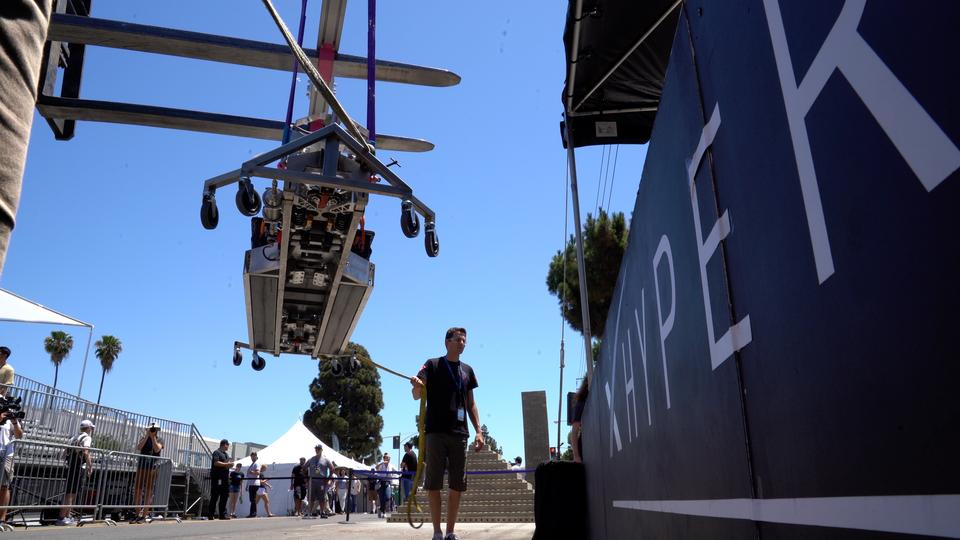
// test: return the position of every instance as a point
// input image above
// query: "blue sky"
(108, 229)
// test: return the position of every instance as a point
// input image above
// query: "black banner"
(777, 362)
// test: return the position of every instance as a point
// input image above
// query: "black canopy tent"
(617, 53)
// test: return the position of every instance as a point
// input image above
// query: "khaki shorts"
(445, 451)
(6, 474)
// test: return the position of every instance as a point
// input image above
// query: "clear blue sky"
(108, 228)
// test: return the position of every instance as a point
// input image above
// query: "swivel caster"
(247, 199)
(209, 215)
(237, 357)
(257, 363)
(409, 220)
(353, 365)
(430, 241)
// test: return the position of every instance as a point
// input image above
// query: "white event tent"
(281, 456)
(14, 308)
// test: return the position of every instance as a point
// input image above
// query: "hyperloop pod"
(777, 361)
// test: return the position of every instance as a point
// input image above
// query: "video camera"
(12, 408)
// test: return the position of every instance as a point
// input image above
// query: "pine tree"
(348, 405)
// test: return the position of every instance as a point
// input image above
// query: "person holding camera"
(10, 430)
(149, 448)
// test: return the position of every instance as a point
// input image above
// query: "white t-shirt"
(6, 437)
(253, 473)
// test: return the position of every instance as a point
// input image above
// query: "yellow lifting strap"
(421, 447)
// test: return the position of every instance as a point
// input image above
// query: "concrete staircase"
(490, 498)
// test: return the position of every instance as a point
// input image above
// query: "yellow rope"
(421, 447)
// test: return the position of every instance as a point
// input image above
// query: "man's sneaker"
(451, 536)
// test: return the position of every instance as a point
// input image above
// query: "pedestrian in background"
(236, 487)
(263, 491)
(319, 470)
(253, 483)
(79, 468)
(298, 484)
(408, 465)
(219, 479)
(384, 484)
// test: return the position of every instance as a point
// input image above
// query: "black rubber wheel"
(409, 220)
(336, 368)
(247, 199)
(430, 241)
(258, 363)
(237, 357)
(209, 215)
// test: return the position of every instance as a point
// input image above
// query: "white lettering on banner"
(739, 334)
(641, 327)
(614, 425)
(666, 325)
(628, 390)
(925, 147)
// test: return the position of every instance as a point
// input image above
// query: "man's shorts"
(445, 450)
(6, 474)
(300, 492)
(318, 490)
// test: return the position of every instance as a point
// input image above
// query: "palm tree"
(108, 349)
(57, 345)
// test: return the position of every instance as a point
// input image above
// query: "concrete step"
(401, 517)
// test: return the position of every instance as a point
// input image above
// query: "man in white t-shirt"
(78, 455)
(253, 483)
(10, 430)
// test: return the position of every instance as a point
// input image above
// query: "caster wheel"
(209, 215)
(336, 368)
(409, 220)
(258, 363)
(248, 200)
(237, 357)
(353, 365)
(430, 241)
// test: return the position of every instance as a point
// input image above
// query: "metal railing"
(54, 418)
(55, 476)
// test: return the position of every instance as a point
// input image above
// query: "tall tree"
(58, 345)
(108, 348)
(604, 243)
(348, 405)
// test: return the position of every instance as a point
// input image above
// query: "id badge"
(461, 415)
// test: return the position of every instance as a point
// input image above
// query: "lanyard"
(458, 378)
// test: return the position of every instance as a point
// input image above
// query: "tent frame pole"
(86, 353)
(581, 269)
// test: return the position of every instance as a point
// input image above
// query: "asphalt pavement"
(360, 527)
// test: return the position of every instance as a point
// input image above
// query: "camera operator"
(6, 371)
(149, 448)
(9, 431)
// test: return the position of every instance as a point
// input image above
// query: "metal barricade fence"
(54, 417)
(48, 475)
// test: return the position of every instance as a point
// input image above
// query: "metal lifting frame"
(256, 168)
